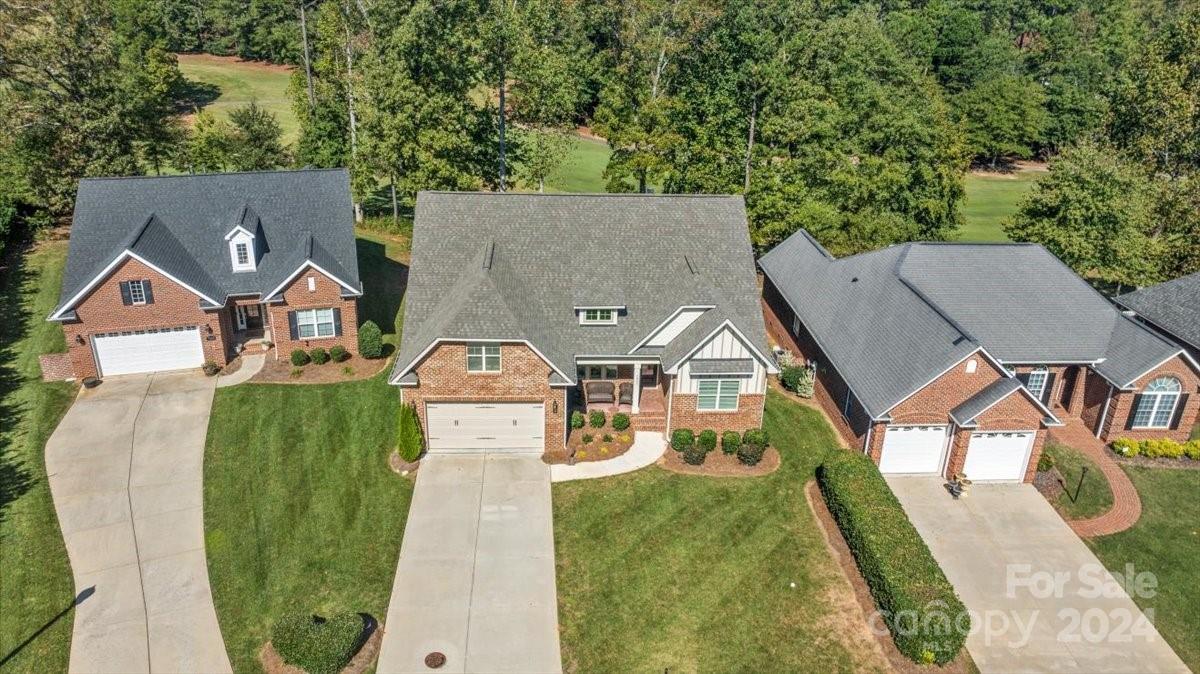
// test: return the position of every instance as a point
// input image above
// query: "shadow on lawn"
(15, 478)
(384, 284)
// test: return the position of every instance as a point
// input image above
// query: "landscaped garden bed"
(326, 366)
(1163, 452)
(1058, 478)
(597, 436)
(344, 643)
(729, 454)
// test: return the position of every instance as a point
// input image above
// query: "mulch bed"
(1050, 483)
(279, 371)
(872, 624)
(720, 464)
(1182, 463)
(597, 450)
(361, 662)
(400, 466)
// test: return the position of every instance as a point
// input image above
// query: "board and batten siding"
(724, 344)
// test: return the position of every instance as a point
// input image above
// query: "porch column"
(637, 386)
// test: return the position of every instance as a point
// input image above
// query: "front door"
(649, 375)
(249, 317)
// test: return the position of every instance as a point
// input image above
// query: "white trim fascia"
(238, 228)
(108, 270)
(1051, 362)
(1029, 394)
(1186, 356)
(674, 314)
(439, 340)
(604, 360)
(770, 367)
(960, 361)
(314, 265)
(614, 307)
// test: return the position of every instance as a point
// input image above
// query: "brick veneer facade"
(1118, 423)
(523, 377)
(326, 293)
(685, 415)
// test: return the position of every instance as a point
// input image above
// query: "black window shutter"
(1179, 408)
(1048, 391)
(147, 292)
(292, 325)
(126, 298)
(1137, 400)
(337, 322)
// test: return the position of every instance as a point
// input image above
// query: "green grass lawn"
(989, 200)
(383, 266)
(663, 572)
(1165, 542)
(583, 169)
(1079, 501)
(238, 82)
(35, 575)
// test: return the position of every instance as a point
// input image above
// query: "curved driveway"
(125, 469)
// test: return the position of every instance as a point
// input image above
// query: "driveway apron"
(1040, 600)
(475, 580)
(125, 468)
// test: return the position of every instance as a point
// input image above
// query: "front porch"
(249, 320)
(636, 388)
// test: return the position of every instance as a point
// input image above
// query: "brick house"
(943, 358)
(165, 273)
(522, 308)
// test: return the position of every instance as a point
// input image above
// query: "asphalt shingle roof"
(179, 223)
(1173, 306)
(893, 319)
(515, 266)
(964, 414)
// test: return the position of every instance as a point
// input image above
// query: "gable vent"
(489, 251)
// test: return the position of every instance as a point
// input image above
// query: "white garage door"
(148, 351)
(998, 456)
(913, 450)
(493, 427)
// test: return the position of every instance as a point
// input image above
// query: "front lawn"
(300, 510)
(1165, 542)
(1079, 501)
(989, 201)
(35, 575)
(664, 572)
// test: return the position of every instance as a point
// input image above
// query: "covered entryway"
(913, 450)
(148, 350)
(998, 456)
(485, 426)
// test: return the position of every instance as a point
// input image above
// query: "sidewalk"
(1127, 505)
(647, 448)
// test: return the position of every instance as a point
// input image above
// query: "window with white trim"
(596, 371)
(137, 292)
(243, 254)
(483, 358)
(1157, 402)
(598, 317)
(717, 394)
(1036, 382)
(314, 323)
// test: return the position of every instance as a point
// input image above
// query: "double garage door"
(148, 350)
(921, 450)
(485, 426)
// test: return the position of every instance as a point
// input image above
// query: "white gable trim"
(1032, 398)
(1186, 356)
(667, 321)
(770, 367)
(238, 229)
(314, 265)
(108, 270)
(438, 341)
(980, 349)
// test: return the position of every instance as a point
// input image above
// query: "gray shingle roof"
(964, 414)
(891, 320)
(1173, 306)
(711, 366)
(179, 223)
(515, 266)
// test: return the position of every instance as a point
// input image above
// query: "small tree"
(410, 439)
(370, 340)
(257, 139)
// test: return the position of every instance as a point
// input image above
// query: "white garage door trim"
(138, 351)
(914, 450)
(486, 426)
(998, 456)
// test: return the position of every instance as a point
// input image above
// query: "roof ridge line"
(636, 195)
(137, 236)
(936, 309)
(213, 175)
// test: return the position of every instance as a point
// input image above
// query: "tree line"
(856, 121)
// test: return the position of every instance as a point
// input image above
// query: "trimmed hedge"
(338, 353)
(707, 440)
(620, 421)
(299, 357)
(318, 645)
(370, 340)
(596, 419)
(1165, 448)
(916, 601)
(730, 442)
(682, 438)
(750, 455)
(319, 356)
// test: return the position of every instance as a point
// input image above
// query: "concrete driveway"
(475, 579)
(125, 470)
(1039, 599)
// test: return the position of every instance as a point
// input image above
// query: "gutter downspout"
(670, 399)
(867, 441)
(1104, 412)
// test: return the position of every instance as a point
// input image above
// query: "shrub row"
(318, 645)
(1153, 449)
(916, 601)
(749, 446)
(597, 419)
(319, 356)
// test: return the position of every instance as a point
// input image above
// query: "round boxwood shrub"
(576, 419)
(730, 441)
(596, 419)
(370, 340)
(750, 455)
(338, 353)
(682, 438)
(757, 437)
(620, 421)
(299, 357)
(318, 645)
(694, 455)
(707, 440)
(319, 356)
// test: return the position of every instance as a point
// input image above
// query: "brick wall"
(523, 377)
(1117, 424)
(932, 404)
(1095, 392)
(101, 311)
(326, 294)
(685, 415)
(1015, 413)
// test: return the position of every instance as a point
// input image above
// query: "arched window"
(1156, 404)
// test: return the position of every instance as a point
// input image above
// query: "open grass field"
(662, 572)
(35, 575)
(1165, 542)
(1079, 501)
(237, 82)
(990, 199)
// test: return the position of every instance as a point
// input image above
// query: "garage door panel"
(148, 351)
(485, 426)
(998, 456)
(909, 450)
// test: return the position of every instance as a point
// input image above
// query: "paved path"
(647, 448)
(1030, 584)
(1127, 505)
(125, 470)
(251, 364)
(476, 574)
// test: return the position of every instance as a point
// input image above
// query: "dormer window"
(597, 315)
(242, 253)
(241, 249)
